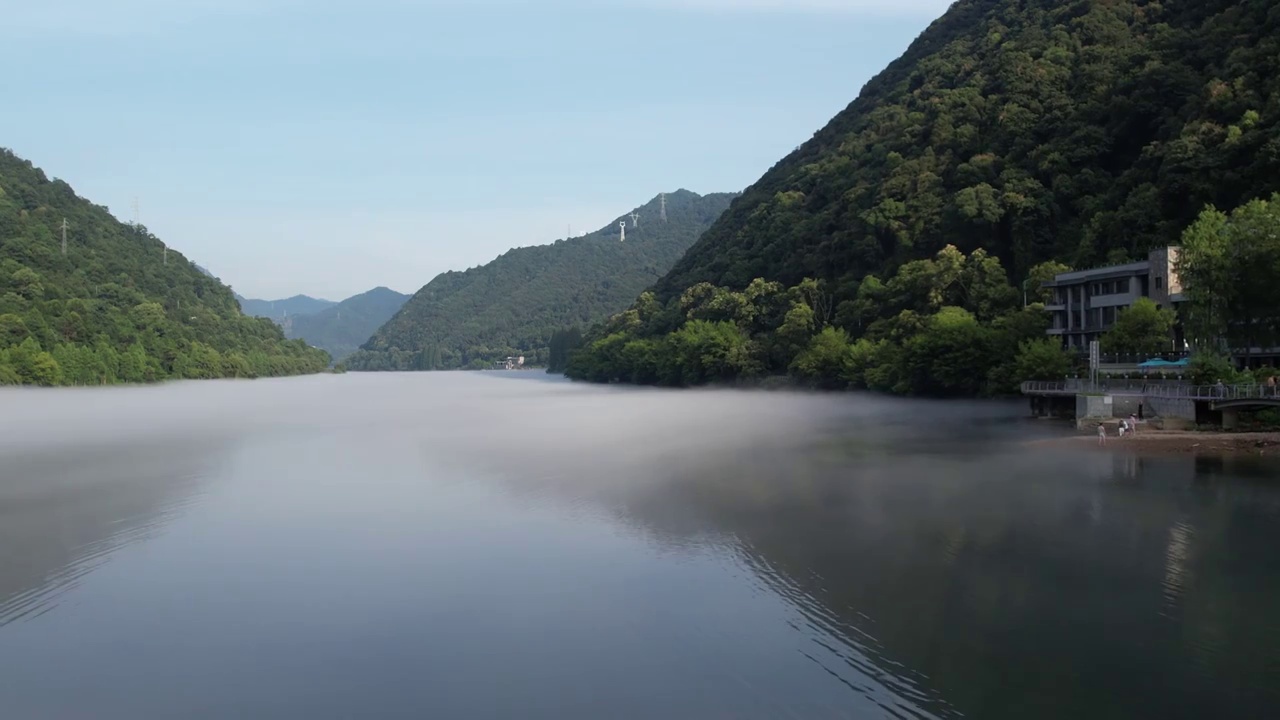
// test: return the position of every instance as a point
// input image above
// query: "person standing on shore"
(1102, 434)
(1133, 424)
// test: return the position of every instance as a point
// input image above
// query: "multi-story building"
(1085, 302)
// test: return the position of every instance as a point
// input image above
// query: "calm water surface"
(503, 545)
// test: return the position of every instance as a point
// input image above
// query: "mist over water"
(508, 545)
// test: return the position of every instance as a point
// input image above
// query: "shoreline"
(1148, 440)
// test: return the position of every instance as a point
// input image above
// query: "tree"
(949, 357)
(1042, 359)
(1038, 276)
(1207, 368)
(985, 287)
(562, 345)
(8, 376)
(1229, 267)
(12, 330)
(711, 351)
(33, 365)
(825, 361)
(1141, 329)
(133, 364)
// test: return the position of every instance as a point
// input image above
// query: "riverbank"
(1181, 441)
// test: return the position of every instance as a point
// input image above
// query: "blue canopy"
(1162, 363)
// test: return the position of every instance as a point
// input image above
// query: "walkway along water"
(1171, 401)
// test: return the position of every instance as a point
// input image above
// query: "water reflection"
(460, 546)
(950, 569)
(63, 513)
(1048, 585)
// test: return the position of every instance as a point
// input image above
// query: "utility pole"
(64, 237)
(664, 207)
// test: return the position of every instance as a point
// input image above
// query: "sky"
(325, 148)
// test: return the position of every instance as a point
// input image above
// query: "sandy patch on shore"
(1179, 441)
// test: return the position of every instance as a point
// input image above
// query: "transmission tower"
(635, 220)
(623, 227)
(64, 237)
(664, 207)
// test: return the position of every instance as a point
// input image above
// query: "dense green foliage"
(1023, 134)
(113, 309)
(280, 310)
(514, 304)
(949, 325)
(1142, 329)
(341, 328)
(560, 348)
(1034, 129)
(1230, 271)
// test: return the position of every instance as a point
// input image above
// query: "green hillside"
(341, 328)
(513, 305)
(1011, 133)
(116, 307)
(1035, 129)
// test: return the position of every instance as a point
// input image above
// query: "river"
(502, 545)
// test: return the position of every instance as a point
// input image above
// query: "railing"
(1217, 392)
(1045, 387)
(1173, 391)
(1133, 359)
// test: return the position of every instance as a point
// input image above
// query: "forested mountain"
(278, 310)
(115, 306)
(341, 328)
(513, 305)
(1011, 135)
(1035, 129)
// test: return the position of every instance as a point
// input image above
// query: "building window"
(1108, 316)
(1159, 282)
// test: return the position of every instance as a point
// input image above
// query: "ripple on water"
(849, 653)
(60, 527)
(1177, 574)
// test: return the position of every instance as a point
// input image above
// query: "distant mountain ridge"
(341, 328)
(513, 305)
(278, 310)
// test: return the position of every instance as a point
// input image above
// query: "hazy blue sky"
(326, 147)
